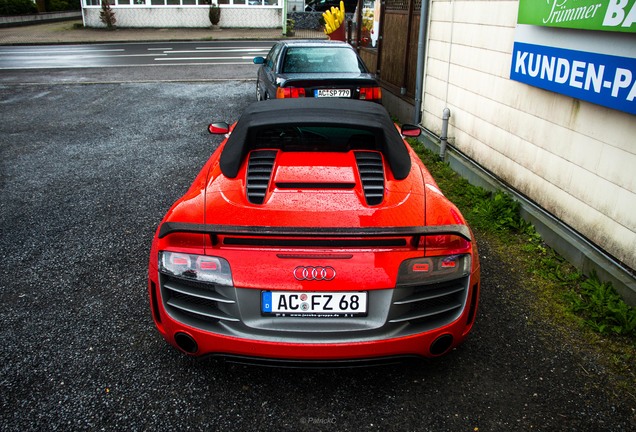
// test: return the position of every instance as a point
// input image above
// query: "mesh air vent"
(259, 173)
(371, 172)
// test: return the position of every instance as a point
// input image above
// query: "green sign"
(605, 15)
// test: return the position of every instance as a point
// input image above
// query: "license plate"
(314, 304)
(338, 93)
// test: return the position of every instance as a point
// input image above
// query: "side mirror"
(410, 130)
(259, 60)
(219, 128)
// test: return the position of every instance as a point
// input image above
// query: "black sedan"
(314, 68)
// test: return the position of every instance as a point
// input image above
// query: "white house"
(186, 13)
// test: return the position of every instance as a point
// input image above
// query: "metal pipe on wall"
(444, 136)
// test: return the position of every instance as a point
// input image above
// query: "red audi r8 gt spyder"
(314, 233)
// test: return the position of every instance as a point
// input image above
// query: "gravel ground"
(87, 172)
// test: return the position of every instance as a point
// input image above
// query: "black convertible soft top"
(317, 112)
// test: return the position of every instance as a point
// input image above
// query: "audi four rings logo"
(310, 273)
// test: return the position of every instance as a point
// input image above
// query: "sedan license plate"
(314, 304)
(338, 93)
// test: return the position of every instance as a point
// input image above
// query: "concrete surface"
(72, 32)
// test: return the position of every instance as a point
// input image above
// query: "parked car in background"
(314, 233)
(314, 68)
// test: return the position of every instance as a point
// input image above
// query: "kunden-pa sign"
(601, 79)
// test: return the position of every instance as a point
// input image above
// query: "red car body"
(314, 233)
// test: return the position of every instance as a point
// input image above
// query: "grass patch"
(586, 310)
(602, 308)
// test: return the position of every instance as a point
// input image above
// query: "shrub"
(62, 5)
(17, 7)
(215, 14)
(107, 16)
(602, 308)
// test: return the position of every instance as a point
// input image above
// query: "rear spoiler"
(168, 228)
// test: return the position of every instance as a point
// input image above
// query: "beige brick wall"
(574, 158)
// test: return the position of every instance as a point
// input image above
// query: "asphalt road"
(63, 64)
(132, 54)
(86, 173)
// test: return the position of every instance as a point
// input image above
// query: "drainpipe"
(444, 137)
(421, 55)
(284, 14)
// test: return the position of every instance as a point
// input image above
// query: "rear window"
(321, 60)
(314, 138)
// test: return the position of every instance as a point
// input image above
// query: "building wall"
(183, 17)
(575, 159)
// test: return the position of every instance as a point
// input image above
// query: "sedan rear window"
(321, 60)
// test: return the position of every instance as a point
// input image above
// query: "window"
(181, 2)
(322, 60)
(326, 138)
(370, 26)
(272, 56)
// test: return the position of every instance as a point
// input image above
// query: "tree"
(215, 14)
(107, 16)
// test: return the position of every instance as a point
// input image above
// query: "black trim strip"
(321, 242)
(172, 227)
(315, 364)
(310, 185)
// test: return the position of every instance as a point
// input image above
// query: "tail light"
(289, 92)
(444, 245)
(433, 269)
(198, 267)
(370, 93)
(447, 257)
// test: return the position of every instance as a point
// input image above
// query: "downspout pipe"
(421, 57)
(284, 17)
(444, 136)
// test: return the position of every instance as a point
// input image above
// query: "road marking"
(201, 50)
(202, 58)
(53, 51)
(131, 66)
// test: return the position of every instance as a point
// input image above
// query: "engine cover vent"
(259, 173)
(371, 171)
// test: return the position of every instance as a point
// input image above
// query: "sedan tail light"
(289, 92)
(371, 93)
